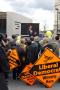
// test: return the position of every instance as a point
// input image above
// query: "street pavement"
(20, 85)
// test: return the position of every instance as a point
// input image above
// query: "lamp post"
(57, 20)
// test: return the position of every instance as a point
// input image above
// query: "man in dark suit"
(31, 33)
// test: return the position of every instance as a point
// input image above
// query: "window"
(2, 25)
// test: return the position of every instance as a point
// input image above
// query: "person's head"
(1, 37)
(35, 34)
(22, 41)
(36, 39)
(5, 37)
(32, 38)
(45, 41)
(30, 27)
(13, 36)
(57, 37)
(28, 43)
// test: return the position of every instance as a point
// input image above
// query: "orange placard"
(13, 58)
(27, 68)
(59, 52)
(47, 68)
(26, 76)
(12, 66)
(14, 54)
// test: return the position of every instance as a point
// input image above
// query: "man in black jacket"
(32, 51)
(4, 67)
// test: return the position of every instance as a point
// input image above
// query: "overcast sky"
(41, 11)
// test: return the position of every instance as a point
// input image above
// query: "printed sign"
(27, 68)
(59, 52)
(26, 76)
(13, 58)
(47, 68)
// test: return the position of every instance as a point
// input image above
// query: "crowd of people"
(28, 50)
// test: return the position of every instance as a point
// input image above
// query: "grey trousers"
(3, 83)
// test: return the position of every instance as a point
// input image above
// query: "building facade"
(57, 17)
(10, 22)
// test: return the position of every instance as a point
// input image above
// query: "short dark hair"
(13, 36)
(29, 42)
(1, 37)
(57, 37)
(32, 38)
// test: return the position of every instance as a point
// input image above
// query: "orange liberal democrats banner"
(47, 68)
(13, 58)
